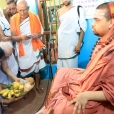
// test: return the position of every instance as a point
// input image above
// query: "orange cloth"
(35, 27)
(111, 9)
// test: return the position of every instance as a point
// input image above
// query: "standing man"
(70, 34)
(26, 30)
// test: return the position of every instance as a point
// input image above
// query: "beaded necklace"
(103, 44)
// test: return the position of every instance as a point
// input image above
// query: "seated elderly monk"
(89, 91)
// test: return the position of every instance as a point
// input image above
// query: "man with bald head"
(26, 30)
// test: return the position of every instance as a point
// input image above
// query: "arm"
(9, 101)
(7, 70)
(83, 26)
(2, 35)
(13, 36)
(78, 46)
(1, 32)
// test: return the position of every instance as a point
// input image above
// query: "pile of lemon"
(13, 90)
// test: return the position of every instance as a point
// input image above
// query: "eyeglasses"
(24, 10)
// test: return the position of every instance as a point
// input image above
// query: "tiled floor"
(30, 105)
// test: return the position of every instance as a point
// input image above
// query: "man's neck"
(103, 38)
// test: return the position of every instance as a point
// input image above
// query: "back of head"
(2, 54)
(6, 47)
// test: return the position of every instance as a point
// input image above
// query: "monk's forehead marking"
(99, 14)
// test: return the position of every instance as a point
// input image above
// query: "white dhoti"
(68, 63)
(68, 35)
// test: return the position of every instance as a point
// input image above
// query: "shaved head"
(22, 2)
(7, 48)
(106, 7)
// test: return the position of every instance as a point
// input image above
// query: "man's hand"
(25, 37)
(11, 100)
(18, 79)
(36, 35)
(79, 103)
(77, 48)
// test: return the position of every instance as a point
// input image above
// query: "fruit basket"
(16, 89)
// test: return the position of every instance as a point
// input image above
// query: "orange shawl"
(35, 27)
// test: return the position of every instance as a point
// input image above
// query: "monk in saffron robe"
(27, 30)
(89, 91)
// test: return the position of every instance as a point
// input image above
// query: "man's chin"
(66, 4)
(96, 34)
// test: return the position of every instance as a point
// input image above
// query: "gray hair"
(6, 45)
(22, 1)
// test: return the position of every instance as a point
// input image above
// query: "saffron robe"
(99, 75)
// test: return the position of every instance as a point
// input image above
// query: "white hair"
(19, 1)
(6, 45)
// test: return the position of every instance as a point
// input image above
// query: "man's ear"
(111, 23)
(28, 7)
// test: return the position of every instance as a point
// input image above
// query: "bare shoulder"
(60, 11)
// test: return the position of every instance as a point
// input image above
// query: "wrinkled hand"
(79, 103)
(35, 35)
(80, 70)
(77, 49)
(25, 37)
